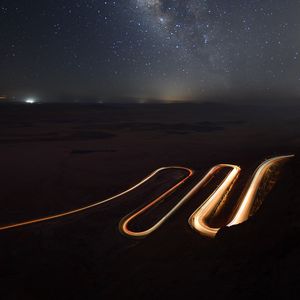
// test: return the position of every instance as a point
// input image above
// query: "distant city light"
(30, 101)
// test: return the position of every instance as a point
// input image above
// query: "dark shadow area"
(55, 158)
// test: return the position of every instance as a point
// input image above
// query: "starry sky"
(150, 49)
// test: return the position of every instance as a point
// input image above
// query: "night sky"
(150, 49)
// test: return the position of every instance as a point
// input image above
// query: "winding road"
(198, 220)
(85, 208)
(124, 224)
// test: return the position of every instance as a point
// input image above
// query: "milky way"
(151, 49)
(227, 41)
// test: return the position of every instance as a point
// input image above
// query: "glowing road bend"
(124, 224)
(198, 219)
(78, 210)
(248, 199)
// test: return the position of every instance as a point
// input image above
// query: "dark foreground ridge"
(85, 256)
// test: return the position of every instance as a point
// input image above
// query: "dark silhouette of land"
(59, 157)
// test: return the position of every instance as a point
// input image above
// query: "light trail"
(248, 200)
(198, 219)
(124, 224)
(82, 209)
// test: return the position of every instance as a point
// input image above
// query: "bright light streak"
(124, 224)
(247, 202)
(85, 208)
(198, 220)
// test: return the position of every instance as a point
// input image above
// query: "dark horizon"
(276, 101)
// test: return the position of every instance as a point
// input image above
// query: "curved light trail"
(78, 210)
(248, 199)
(124, 224)
(198, 219)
